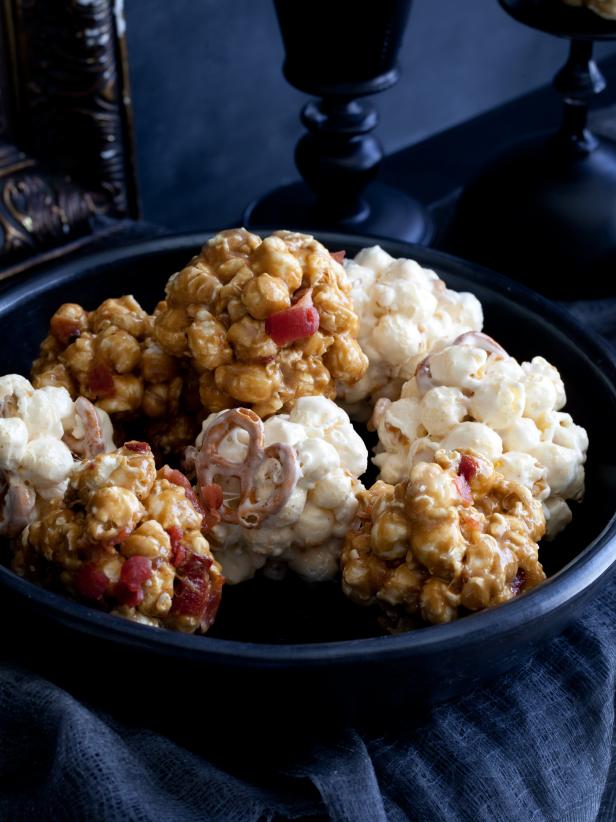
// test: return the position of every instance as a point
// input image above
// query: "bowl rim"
(577, 578)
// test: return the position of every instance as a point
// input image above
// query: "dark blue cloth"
(538, 744)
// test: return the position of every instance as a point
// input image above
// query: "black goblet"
(341, 51)
(544, 211)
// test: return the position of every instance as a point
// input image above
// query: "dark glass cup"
(342, 47)
(338, 51)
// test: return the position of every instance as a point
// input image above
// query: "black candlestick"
(341, 51)
(545, 210)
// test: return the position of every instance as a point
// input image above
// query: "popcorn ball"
(110, 356)
(127, 539)
(404, 310)
(263, 322)
(40, 432)
(473, 395)
(453, 538)
(605, 8)
(281, 493)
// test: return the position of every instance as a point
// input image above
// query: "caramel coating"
(215, 316)
(110, 356)
(435, 547)
(119, 509)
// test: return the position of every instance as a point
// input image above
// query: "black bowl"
(280, 646)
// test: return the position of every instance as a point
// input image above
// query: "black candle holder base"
(545, 213)
(387, 212)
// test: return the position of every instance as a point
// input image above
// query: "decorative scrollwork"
(72, 93)
(37, 209)
(74, 159)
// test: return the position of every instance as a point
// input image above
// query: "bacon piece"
(295, 323)
(178, 551)
(210, 521)
(197, 594)
(467, 468)
(212, 496)
(137, 447)
(135, 572)
(91, 582)
(178, 478)
(464, 490)
(175, 476)
(338, 255)
(100, 381)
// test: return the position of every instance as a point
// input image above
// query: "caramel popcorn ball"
(280, 493)
(473, 395)
(41, 432)
(604, 8)
(263, 322)
(456, 537)
(127, 539)
(110, 356)
(404, 310)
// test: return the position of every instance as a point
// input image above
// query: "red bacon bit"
(467, 468)
(338, 255)
(295, 323)
(175, 535)
(178, 551)
(197, 594)
(179, 555)
(212, 496)
(135, 572)
(464, 490)
(194, 501)
(100, 381)
(518, 581)
(64, 330)
(137, 447)
(178, 478)
(91, 582)
(210, 520)
(175, 476)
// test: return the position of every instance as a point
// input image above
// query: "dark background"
(216, 123)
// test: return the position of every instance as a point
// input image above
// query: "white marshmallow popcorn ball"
(404, 311)
(41, 431)
(321, 456)
(472, 395)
